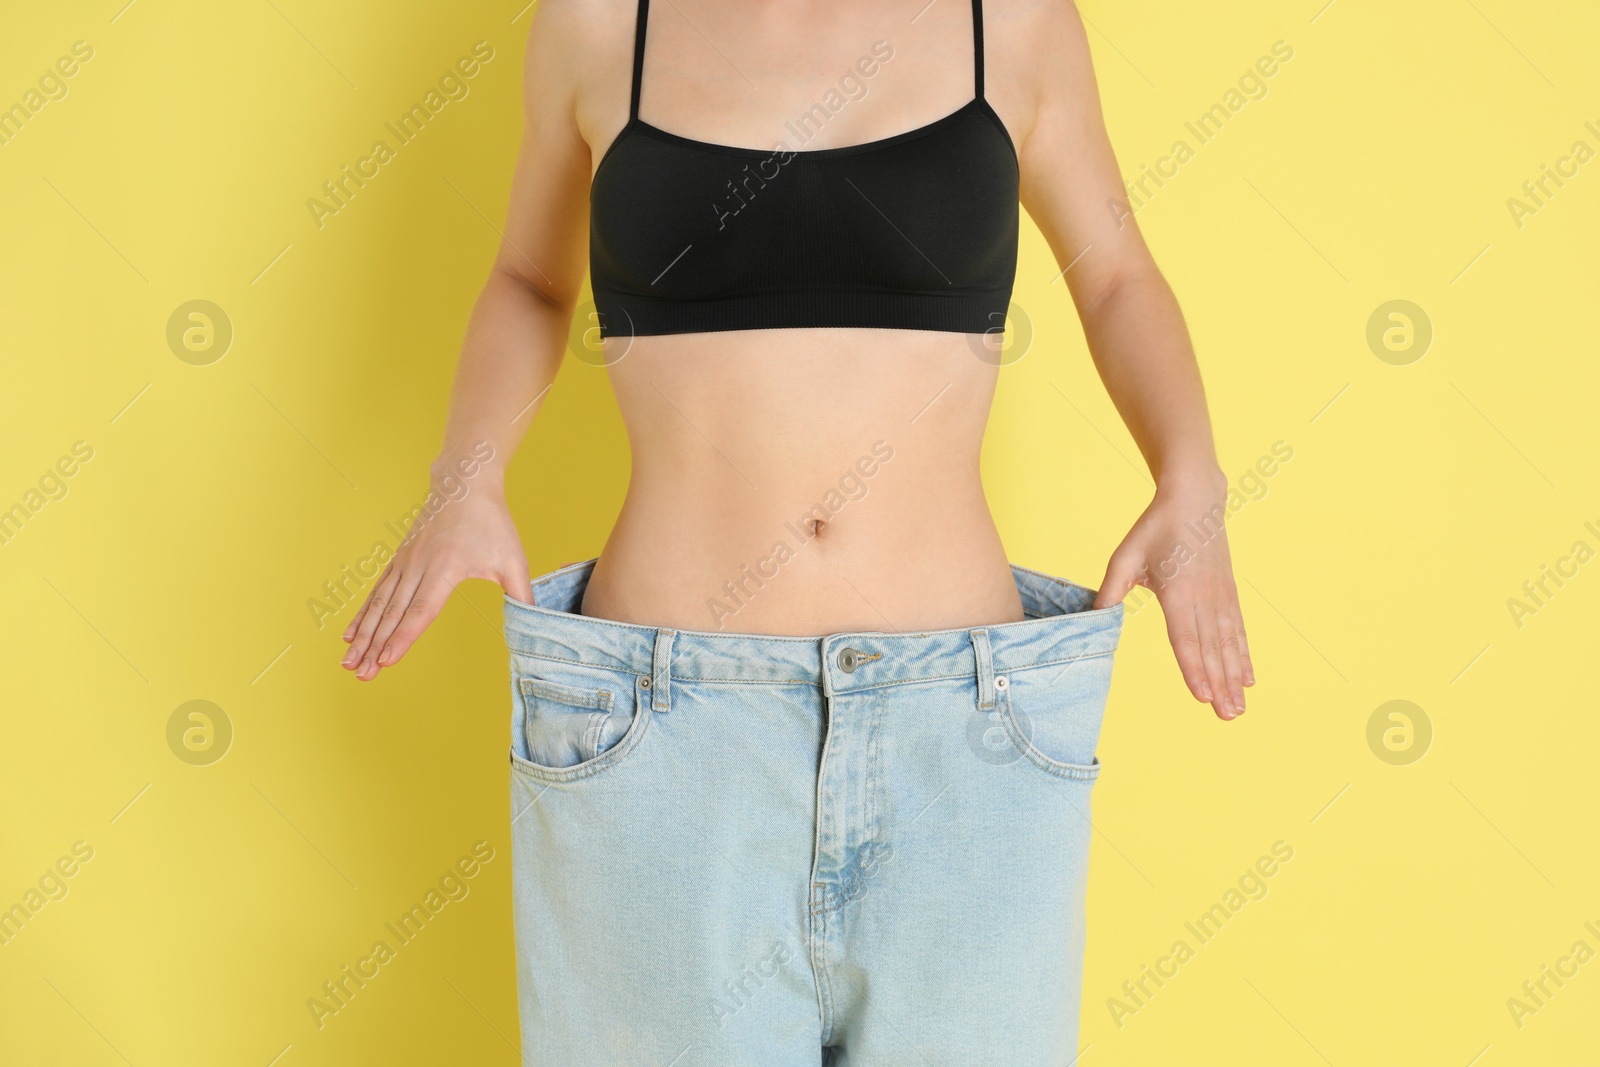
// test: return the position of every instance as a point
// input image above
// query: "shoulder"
(1029, 17)
(1029, 35)
(1036, 60)
(578, 67)
(585, 21)
(575, 35)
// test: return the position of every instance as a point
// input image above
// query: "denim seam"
(714, 636)
(635, 628)
(874, 730)
(1052, 578)
(561, 693)
(605, 761)
(819, 969)
(1078, 772)
(675, 677)
(807, 682)
(850, 890)
(591, 738)
(940, 677)
(1053, 662)
(817, 921)
(578, 663)
(855, 885)
(841, 896)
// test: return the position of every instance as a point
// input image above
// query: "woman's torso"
(808, 480)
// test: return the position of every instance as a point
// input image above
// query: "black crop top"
(917, 231)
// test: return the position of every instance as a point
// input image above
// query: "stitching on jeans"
(713, 636)
(937, 677)
(806, 682)
(638, 726)
(1024, 668)
(573, 696)
(819, 970)
(1075, 772)
(846, 892)
(816, 923)
(857, 882)
(874, 731)
(642, 630)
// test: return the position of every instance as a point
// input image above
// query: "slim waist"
(1061, 625)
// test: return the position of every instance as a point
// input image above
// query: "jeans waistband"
(1060, 625)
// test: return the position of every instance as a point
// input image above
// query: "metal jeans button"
(849, 659)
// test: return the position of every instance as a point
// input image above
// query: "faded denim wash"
(858, 850)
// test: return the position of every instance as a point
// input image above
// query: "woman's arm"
(514, 343)
(1072, 188)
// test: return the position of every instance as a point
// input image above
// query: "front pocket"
(564, 725)
(571, 721)
(1053, 714)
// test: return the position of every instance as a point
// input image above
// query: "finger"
(1211, 656)
(1232, 664)
(371, 613)
(424, 607)
(1246, 665)
(516, 581)
(355, 623)
(388, 619)
(1122, 573)
(1185, 638)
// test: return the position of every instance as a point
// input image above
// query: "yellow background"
(220, 498)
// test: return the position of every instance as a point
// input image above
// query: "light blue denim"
(864, 849)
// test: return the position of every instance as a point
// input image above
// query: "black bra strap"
(638, 56)
(978, 47)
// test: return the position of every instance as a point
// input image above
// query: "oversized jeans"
(865, 849)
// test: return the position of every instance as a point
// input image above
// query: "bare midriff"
(804, 482)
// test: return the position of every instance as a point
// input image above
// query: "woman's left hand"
(1179, 550)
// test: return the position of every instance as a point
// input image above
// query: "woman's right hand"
(470, 537)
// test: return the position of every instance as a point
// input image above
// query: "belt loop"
(980, 649)
(661, 671)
